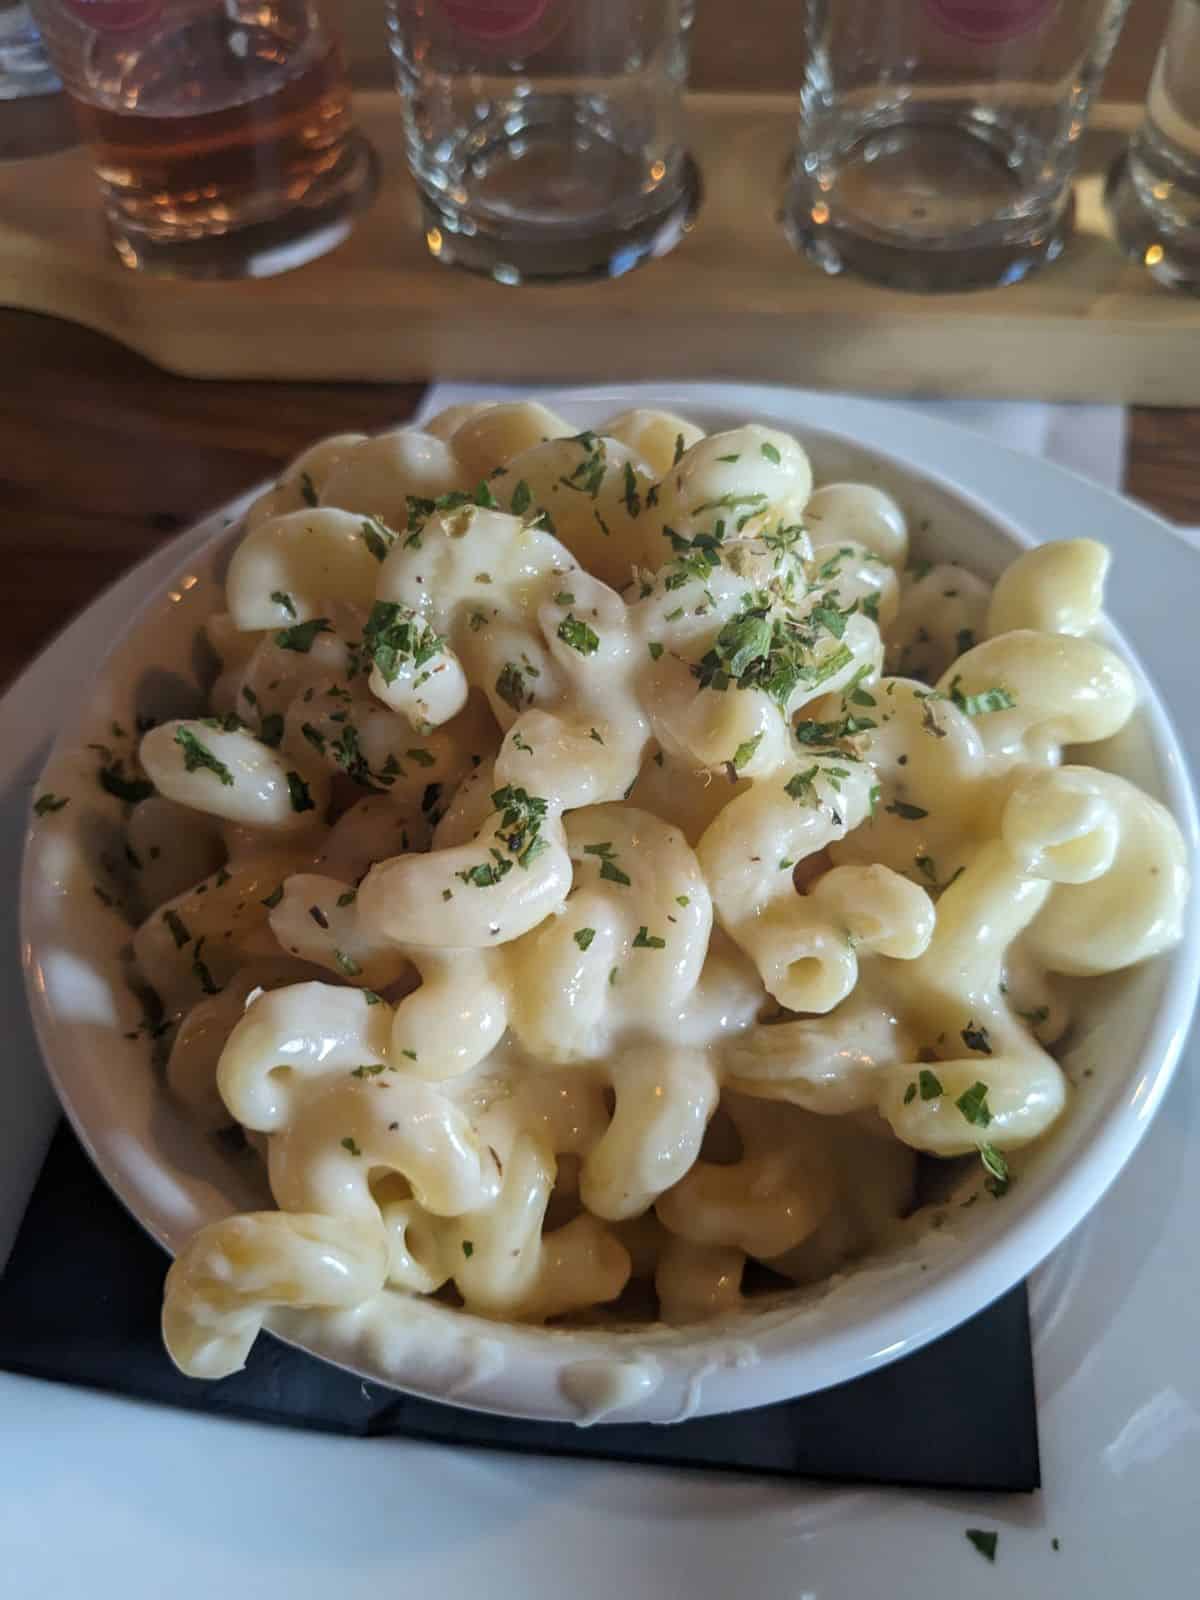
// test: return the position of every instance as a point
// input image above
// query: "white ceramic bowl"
(173, 1178)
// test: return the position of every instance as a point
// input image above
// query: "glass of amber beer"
(220, 130)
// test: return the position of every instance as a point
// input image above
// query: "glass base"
(264, 248)
(1170, 254)
(926, 207)
(539, 250)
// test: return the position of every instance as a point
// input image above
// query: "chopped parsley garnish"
(592, 734)
(419, 509)
(564, 598)
(512, 688)
(468, 1249)
(910, 813)
(273, 899)
(801, 786)
(346, 964)
(48, 802)
(522, 498)
(978, 705)
(307, 493)
(910, 1094)
(926, 866)
(633, 501)
(395, 637)
(655, 649)
(411, 1054)
(197, 755)
(377, 537)
(973, 1105)
(314, 736)
(521, 818)
(873, 798)
(578, 635)
(270, 730)
(977, 1039)
(756, 651)
(369, 1069)
(733, 502)
(608, 864)
(200, 971)
(678, 450)
(350, 1144)
(682, 900)
(299, 794)
(645, 940)
(854, 691)
(736, 456)
(930, 1084)
(284, 600)
(583, 937)
(830, 618)
(486, 875)
(113, 781)
(589, 474)
(964, 640)
(349, 757)
(745, 752)
(998, 1177)
(831, 733)
(347, 898)
(178, 929)
(222, 878)
(521, 743)
(370, 996)
(770, 452)
(300, 636)
(430, 796)
(984, 1541)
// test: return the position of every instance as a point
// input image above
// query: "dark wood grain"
(1162, 464)
(104, 457)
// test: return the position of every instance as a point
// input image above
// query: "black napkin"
(79, 1303)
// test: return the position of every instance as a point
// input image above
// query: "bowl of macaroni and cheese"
(609, 917)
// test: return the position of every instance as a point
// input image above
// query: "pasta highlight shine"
(609, 867)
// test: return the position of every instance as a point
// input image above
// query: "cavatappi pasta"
(609, 860)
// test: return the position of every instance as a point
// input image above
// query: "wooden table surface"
(103, 457)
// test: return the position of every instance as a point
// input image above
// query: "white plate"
(1117, 1317)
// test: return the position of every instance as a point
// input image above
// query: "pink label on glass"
(990, 21)
(113, 16)
(497, 21)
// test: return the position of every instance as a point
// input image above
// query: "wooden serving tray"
(734, 300)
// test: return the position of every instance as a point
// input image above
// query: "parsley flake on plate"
(197, 756)
(578, 635)
(973, 1105)
(608, 863)
(300, 635)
